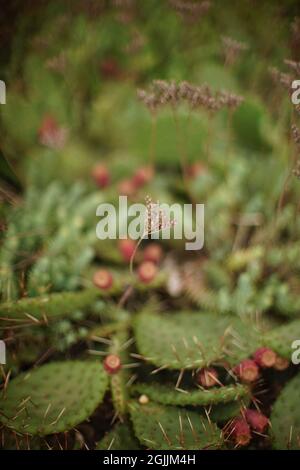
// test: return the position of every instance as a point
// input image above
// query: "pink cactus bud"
(127, 248)
(51, 134)
(147, 271)
(196, 169)
(142, 176)
(264, 357)
(126, 188)
(256, 420)
(239, 431)
(101, 175)
(281, 363)
(207, 377)
(153, 252)
(112, 363)
(103, 279)
(247, 370)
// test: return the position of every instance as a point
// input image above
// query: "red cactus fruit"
(110, 69)
(103, 279)
(281, 363)
(153, 252)
(112, 363)
(51, 134)
(142, 176)
(264, 357)
(101, 175)
(127, 248)
(196, 169)
(239, 431)
(256, 420)
(207, 377)
(147, 271)
(247, 370)
(126, 188)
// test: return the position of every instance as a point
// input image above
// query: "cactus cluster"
(141, 344)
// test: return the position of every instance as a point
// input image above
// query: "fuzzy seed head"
(112, 364)
(103, 279)
(264, 357)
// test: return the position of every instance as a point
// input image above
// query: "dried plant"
(155, 221)
(162, 93)
(232, 49)
(190, 10)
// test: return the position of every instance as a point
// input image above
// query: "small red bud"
(126, 188)
(247, 370)
(101, 176)
(256, 420)
(207, 377)
(112, 364)
(147, 271)
(239, 431)
(281, 363)
(110, 69)
(142, 176)
(196, 169)
(50, 133)
(127, 248)
(153, 252)
(264, 357)
(103, 279)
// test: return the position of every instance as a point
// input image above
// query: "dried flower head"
(156, 219)
(162, 93)
(296, 134)
(284, 79)
(232, 49)
(190, 10)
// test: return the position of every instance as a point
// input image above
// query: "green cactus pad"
(189, 340)
(280, 339)
(53, 398)
(169, 396)
(120, 438)
(223, 412)
(50, 306)
(285, 417)
(171, 428)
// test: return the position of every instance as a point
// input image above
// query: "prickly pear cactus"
(281, 339)
(285, 417)
(53, 398)
(168, 396)
(119, 438)
(190, 340)
(168, 427)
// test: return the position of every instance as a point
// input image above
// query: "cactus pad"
(190, 340)
(280, 339)
(53, 398)
(120, 438)
(285, 417)
(168, 427)
(169, 396)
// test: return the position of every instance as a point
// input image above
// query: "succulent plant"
(53, 398)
